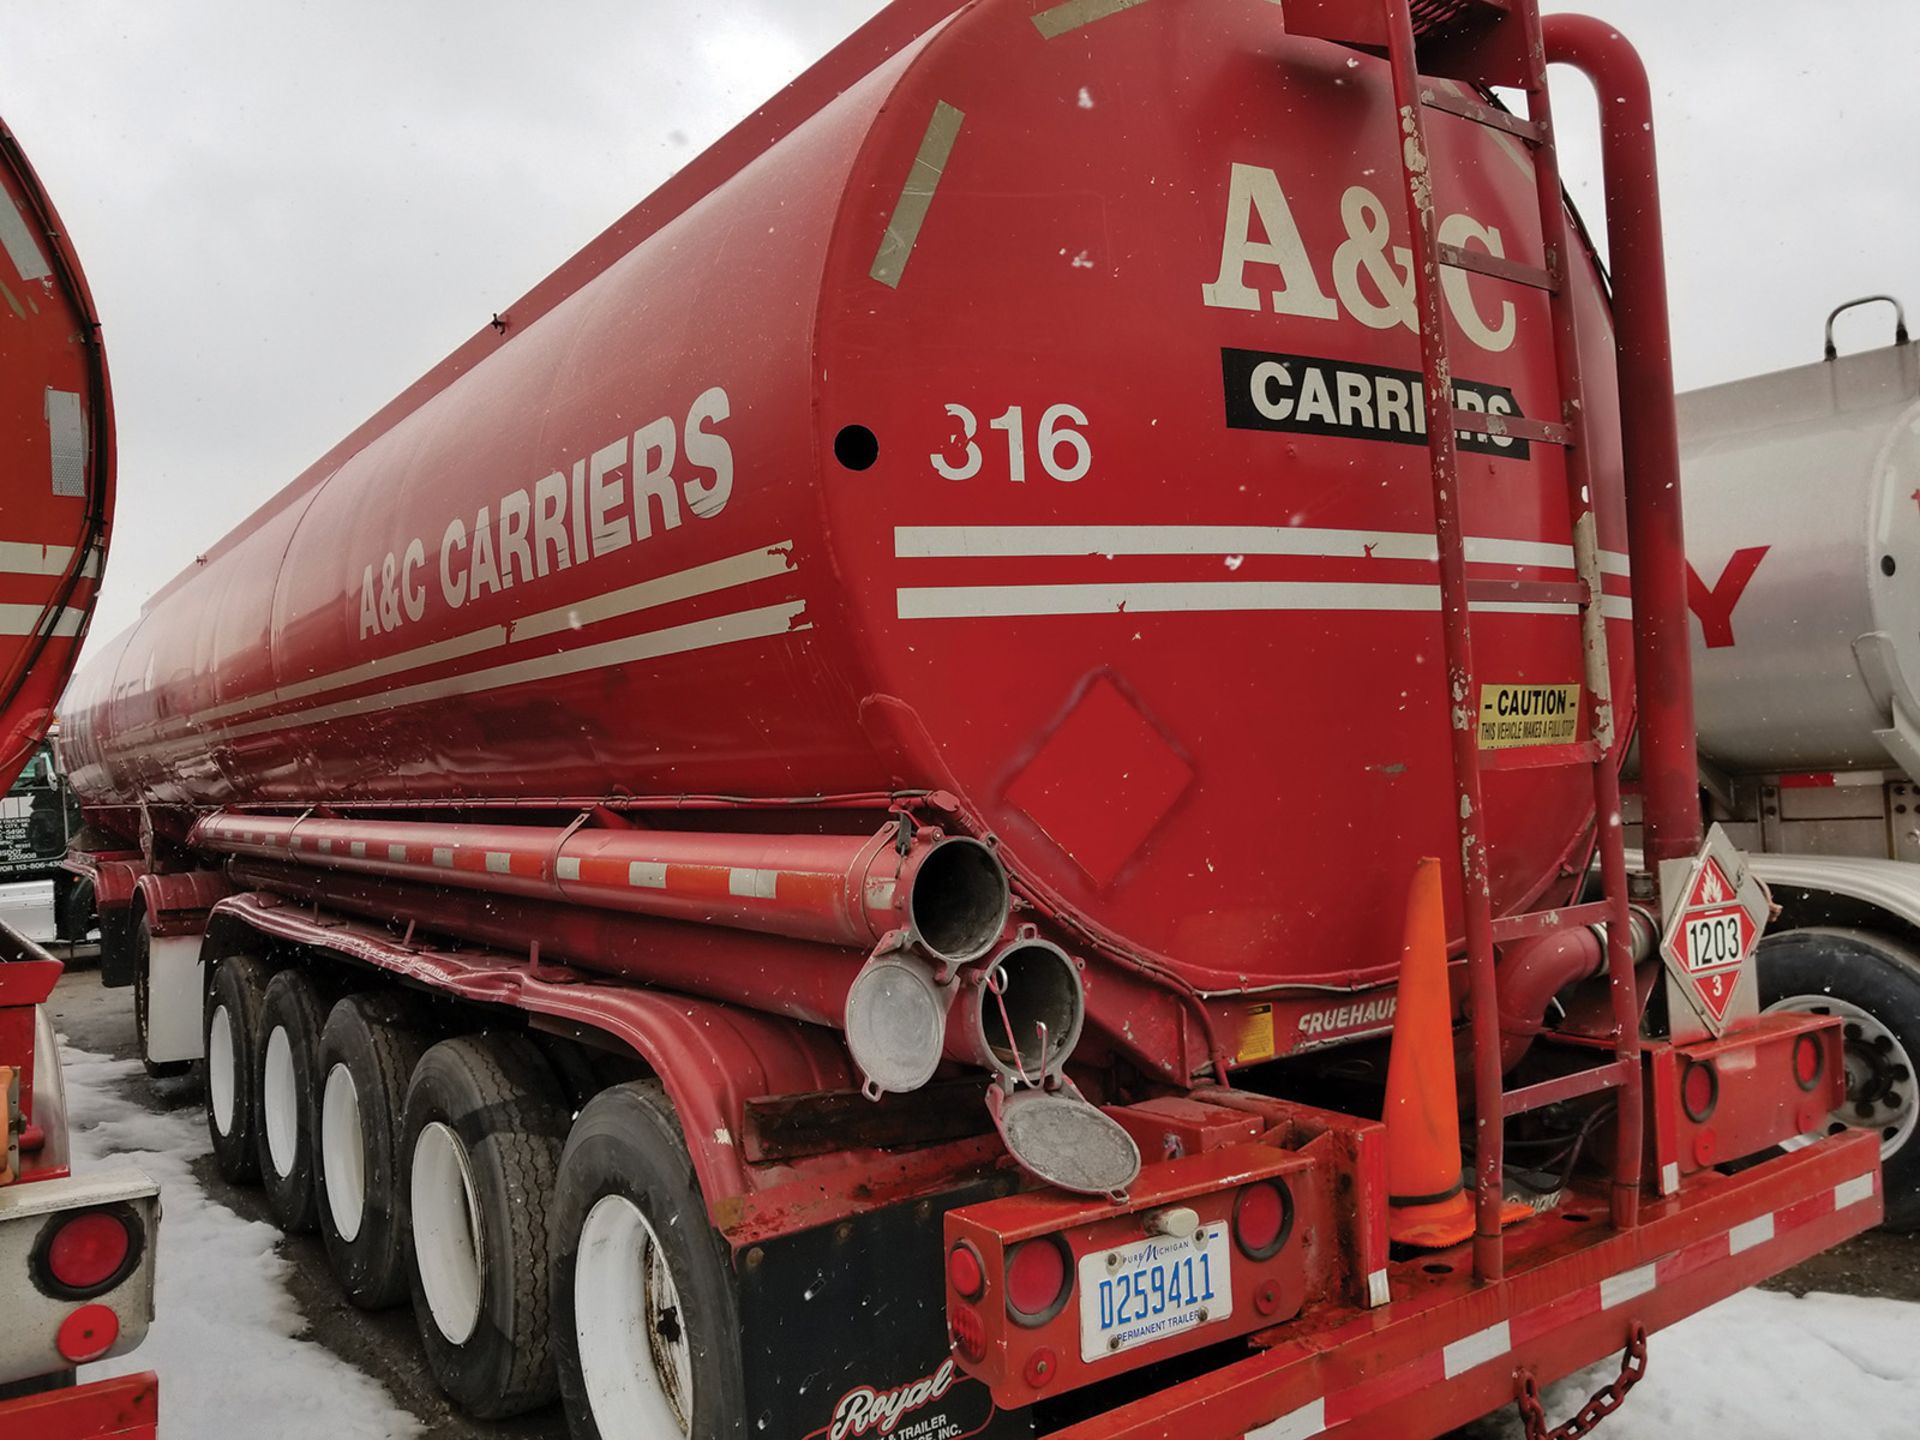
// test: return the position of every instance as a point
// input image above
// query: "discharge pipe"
(947, 896)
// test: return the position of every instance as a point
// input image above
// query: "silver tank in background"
(1803, 531)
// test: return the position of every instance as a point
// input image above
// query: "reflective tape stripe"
(443, 856)
(951, 602)
(953, 542)
(67, 436)
(916, 196)
(1627, 1285)
(1309, 1420)
(23, 557)
(499, 862)
(647, 875)
(567, 867)
(1476, 1349)
(1379, 1291)
(1852, 1192)
(28, 620)
(1060, 19)
(397, 853)
(753, 884)
(358, 849)
(17, 240)
(1757, 1231)
(1670, 1178)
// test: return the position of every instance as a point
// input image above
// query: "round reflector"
(87, 1334)
(85, 1253)
(964, 1271)
(1808, 1061)
(1037, 1275)
(1699, 1091)
(1262, 1219)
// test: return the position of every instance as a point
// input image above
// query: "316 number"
(1062, 450)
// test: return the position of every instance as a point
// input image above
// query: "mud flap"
(845, 1331)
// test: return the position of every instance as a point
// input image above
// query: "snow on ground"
(1764, 1366)
(224, 1337)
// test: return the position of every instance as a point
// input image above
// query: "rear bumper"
(1444, 1351)
(124, 1408)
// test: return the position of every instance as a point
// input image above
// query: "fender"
(178, 904)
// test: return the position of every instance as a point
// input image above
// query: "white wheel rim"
(280, 1102)
(446, 1231)
(343, 1153)
(1874, 1056)
(635, 1356)
(220, 1069)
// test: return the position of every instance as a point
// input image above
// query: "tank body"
(994, 433)
(56, 434)
(1803, 530)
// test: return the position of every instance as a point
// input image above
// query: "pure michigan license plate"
(1152, 1289)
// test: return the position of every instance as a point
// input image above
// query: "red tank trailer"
(839, 792)
(76, 1251)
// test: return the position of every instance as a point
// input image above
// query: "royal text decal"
(1313, 395)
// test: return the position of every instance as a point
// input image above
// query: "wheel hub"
(1881, 1091)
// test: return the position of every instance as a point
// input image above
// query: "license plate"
(1153, 1289)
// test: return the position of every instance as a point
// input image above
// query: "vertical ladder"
(1484, 43)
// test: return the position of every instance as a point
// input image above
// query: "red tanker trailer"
(822, 831)
(76, 1251)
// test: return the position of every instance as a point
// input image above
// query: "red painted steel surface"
(126, 1407)
(1447, 1351)
(1238, 623)
(56, 435)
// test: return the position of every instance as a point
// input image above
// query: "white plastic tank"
(1802, 493)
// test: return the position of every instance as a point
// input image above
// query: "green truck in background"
(37, 816)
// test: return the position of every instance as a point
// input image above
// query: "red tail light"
(965, 1273)
(1699, 1091)
(1038, 1276)
(1808, 1061)
(87, 1252)
(1262, 1220)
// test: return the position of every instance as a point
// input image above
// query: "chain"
(1633, 1368)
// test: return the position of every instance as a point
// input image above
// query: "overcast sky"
(288, 212)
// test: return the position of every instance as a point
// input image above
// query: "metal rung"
(1542, 757)
(1477, 422)
(1481, 113)
(1509, 928)
(1567, 1087)
(1481, 263)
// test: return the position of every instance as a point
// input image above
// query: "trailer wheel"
(291, 1016)
(367, 1052)
(1872, 983)
(142, 960)
(646, 1328)
(484, 1121)
(232, 1029)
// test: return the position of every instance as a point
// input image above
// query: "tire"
(1873, 983)
(231, 1029)
(142, 958)
(368, 1050)
(484, 1123)
(629, 1205)
(287, 1062)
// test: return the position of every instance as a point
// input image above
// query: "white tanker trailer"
(1802, 493)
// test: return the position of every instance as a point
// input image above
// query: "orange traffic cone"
(1429, 1206)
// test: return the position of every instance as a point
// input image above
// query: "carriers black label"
(1315, 395)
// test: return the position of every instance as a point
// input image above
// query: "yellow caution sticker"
(1512, 716)
(1256, 1035)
